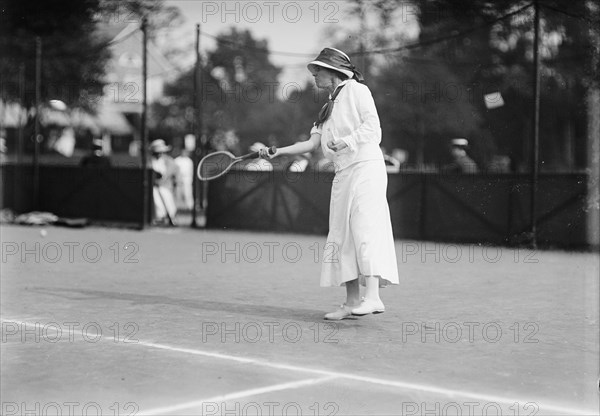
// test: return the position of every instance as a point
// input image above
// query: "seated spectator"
(392, 165)
(97, 158)
(300, 163)
(259, 165)
(462, 163)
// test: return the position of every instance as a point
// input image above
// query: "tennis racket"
(217, 164)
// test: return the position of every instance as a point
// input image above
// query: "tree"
(239, 85)
(421, 101)
(163, 20)
(73, 56)
(433, 88)
(422, 105)
(299, 111)
(496, 56)
(371, 25)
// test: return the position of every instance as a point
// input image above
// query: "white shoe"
(341, 313)
(368, 306)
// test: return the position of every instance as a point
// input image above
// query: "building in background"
(120, 110)
(68, 133)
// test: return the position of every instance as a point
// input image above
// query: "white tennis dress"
(360, 241)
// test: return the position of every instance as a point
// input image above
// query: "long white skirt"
(360, 241)
(163, 202)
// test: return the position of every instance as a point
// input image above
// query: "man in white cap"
(97, 158)
(166, 176)
(462, 163)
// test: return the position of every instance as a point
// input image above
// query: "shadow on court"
(177, 321)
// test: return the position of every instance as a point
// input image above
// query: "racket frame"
(252, 155)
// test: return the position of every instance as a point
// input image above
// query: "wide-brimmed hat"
(97, 144)
(159, 146)
(256, 146)
(336, 60)
(460, 142)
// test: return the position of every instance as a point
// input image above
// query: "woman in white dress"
(360, 245)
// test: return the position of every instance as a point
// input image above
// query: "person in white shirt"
(166, 173)
(184, 193)
(360, 245)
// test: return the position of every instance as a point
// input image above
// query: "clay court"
(177, 321)
(180, 321)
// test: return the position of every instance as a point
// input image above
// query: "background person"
(259, 165)
(183, 191)
(96, 158)
(461, 163)
(3, 149)
(166, 176)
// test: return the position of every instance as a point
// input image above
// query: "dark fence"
(482, 208)
(110, 195)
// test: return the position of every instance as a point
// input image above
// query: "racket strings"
(214, 165)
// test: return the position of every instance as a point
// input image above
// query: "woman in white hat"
(166, 176)
(360, 245)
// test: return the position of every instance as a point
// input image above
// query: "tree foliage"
(73, 56)
(429, 88)
(238, 93)
(497, 56)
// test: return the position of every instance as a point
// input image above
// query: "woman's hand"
(336, 145)
(264, 153)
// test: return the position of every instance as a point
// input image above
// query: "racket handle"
(254, 155)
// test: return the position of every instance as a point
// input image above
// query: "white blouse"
(355, 121)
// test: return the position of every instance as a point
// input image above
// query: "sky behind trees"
(301, 27)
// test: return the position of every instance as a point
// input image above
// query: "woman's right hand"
(264, 153)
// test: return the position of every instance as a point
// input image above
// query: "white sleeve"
(370, 128)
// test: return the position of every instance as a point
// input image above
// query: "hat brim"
(349, 74)
(161, 149)
(460, 142)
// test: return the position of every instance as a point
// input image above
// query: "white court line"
(237, 395)
(372, 380)
(390, 383)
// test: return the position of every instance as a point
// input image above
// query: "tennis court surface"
(180, 321)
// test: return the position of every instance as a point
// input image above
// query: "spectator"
(97, 158)
(300, 163)
(166, 176)
(184, 192)
(260, 165)
(462, 163)
(3, 148)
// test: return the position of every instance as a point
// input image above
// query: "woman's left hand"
(336, 145)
